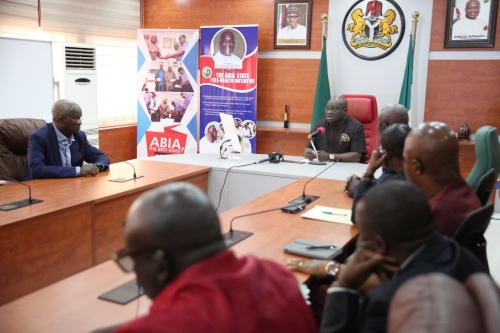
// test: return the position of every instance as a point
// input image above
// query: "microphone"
(21, 203)
(283, 154)
(273, 157)
(318, 131)
(310, 198)
(119, 179)
(235, 236)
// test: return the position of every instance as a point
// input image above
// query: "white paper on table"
(329, 214)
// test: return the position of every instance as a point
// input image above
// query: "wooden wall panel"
(119, 141)
(463, 91)
(191, 14)
(438, 29)
(286, 81)
(293, 141)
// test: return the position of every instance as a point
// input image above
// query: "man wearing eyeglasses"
(175, 247)
(59, 149)
(293, 30)
(225, 58)
(344, 137)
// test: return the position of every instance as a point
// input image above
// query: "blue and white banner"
(228, 84)
(167, 100)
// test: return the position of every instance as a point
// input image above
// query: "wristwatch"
(367, 175)
(332, 268)
(332, 157)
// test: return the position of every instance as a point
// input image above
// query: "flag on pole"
(322, 95)
(405, 96)
(456, 12)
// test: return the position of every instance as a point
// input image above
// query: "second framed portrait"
(471, 23)
(292, 24)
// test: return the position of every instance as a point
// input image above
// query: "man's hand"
(323, 156)
(313, 267)
(361, 264)
(309, 154)
(351, 181)
(376, 161)
(89, 170)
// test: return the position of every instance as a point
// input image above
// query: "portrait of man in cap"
(290, 29)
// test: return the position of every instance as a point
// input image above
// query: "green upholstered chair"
(487, 154)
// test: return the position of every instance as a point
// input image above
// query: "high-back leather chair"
(487, 152)
(470, 232)
(485, 186)
(364, 109)
(438, 303)
(14, 135)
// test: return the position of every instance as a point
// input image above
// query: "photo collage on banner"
(228, 84)
(167, 100)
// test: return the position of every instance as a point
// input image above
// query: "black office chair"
(485, 186)
(470, 233)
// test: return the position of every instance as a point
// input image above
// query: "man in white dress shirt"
(294, 30)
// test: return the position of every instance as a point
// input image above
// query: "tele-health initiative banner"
(228, 84)
(167, 99)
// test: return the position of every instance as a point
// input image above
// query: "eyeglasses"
(293, 17)
(77, 119)
(124, 260)
(333, 109)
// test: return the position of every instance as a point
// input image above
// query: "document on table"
(329, 214)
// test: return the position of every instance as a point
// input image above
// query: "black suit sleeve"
(340, 313)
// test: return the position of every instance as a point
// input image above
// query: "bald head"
(393, 139)
(380, 212)
(179, 219)
(392, 114)
(431, 155)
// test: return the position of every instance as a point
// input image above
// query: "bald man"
(431, 162)
(344, 137)
(174, 245)
(59, 149)
(225, 58)
(397, 241)
(389, 114)
(470, 26)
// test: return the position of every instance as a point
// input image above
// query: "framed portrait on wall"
(292, 24)
(471, 23)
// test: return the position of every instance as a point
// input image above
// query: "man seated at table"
(344, 137)
(175, 247)
(397, 241)
(389, 114)
(431, 162)
(59, 149)
(391, 156)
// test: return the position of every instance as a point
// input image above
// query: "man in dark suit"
(59, 149)
(397, 241)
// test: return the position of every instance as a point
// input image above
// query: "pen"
(331, 213)
(324, 247)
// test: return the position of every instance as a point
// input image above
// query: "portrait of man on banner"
(228, 49)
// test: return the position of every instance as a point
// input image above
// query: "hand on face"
(363, 263)
(376, 160)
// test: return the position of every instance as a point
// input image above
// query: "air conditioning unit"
(75, 69)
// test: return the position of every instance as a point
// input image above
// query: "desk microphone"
(120, 179)
(235, 236)
(283, 154)
(318, 131)
(310, 198)
(21, 203)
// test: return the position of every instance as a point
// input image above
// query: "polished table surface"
(248, 179)
(78, 224)
(71, 305)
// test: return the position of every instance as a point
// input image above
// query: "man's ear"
(381, 244)
(418, 166)
(162, 266)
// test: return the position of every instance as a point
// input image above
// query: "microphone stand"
(283, 155)
(316, 153)
(21, 203)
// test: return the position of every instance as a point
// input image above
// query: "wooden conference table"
(71, 305)
(78, 225)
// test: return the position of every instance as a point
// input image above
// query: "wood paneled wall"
(280, 81)
(461, 90)
(120, 141)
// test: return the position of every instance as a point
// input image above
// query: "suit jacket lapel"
(54, 145)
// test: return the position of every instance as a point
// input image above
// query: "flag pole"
(324, 21)
(415, 16)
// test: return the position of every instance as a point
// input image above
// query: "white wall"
(382, 78)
